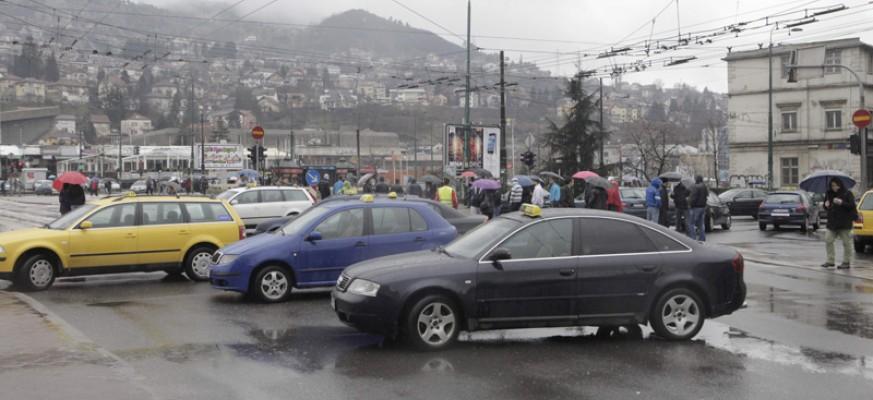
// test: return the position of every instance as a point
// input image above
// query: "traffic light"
(528, 158)
(261, 151)
(854, 144)
(252, 153)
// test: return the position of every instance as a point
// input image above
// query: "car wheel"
(805, 226)
(762, 226)
(776, 227)
(860, 246)
(754, 217)
(432, 323)
(678, 315)
(817, 224)
(272, 284)
(707, 226)
(197, 263)
(727, 224)
(36, 273)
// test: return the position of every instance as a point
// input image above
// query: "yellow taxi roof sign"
(392, 195)
(367, 198)
(531, 210)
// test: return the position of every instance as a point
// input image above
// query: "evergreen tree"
(52, 73)
(28, 63)
(175, 108)
(575, 142)
(115, 106)
(656, 113)
(145, 83)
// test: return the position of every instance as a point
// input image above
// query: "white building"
(135, 125)
(811, 118)
(65, 123)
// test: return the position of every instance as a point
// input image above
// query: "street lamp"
(793, 28)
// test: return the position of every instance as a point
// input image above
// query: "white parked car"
(258, 204)
(139, 186)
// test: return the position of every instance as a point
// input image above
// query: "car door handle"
(183, 232)
(131, 236)
(648, 268)
(419, 239)
(361, 244)
(567, 271)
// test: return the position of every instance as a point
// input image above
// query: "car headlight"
(364, 288)
(227, 258)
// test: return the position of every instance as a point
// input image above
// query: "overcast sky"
(589, 26)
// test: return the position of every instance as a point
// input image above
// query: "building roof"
(784, 48)
(137, 117)
(65, 117)
(99, 119)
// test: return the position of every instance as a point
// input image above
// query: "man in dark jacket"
(324, 187)
(413, 188)
(382, 187)
(397, 187)
(595, 197)
(664, 213)
(840, 206)
(697, 202)
(680, 200)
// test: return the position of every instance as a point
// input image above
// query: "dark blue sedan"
(789, 208)
(313, 250)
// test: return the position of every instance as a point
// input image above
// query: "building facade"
(811, 117)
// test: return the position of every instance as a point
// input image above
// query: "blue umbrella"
(249, 173)
(820, 181)
(524, 180)
(486, 184)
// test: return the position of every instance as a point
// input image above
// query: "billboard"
(482, 144)
(221, 156)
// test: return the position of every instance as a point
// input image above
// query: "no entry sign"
(861, 118)
(258, 133)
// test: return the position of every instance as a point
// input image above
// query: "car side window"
(418, 222)
(207, 212)
(348, 223)
(295, 195)
(743, 195)
(553, 238)
(602, 236)
(662, 242)
(387, 220)
(161, 213)
(114, 216)
(271, 196)
(250, 197)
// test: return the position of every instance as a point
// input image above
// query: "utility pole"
(415, 144)
(467, 97)
(202, 149)
(191, 112)
(291, 144)
(501, 145)
(602, 131)
(770, 113)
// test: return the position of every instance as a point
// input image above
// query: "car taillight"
(738, 263)
(860, 218)
(242, 232)
(801, 209)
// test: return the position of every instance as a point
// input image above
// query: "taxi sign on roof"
(531, 210)
(367, 198)
(392, 195)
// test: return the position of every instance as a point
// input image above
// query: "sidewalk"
(43, 357)
(861, 268)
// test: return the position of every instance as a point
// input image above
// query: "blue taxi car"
(312, 250)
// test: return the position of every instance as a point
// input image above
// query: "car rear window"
(782, 198)
(866, 203)
(207, 212)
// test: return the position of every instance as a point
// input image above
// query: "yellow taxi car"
(863, 226)
(125, 233)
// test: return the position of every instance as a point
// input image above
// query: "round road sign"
(861, 118)
(312, 177)
(258, 133)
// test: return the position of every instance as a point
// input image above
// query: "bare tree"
(652, 145)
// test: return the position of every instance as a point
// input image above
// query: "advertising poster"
(482, 144)
(222, 156)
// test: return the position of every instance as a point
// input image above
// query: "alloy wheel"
(436, 324)
(274, 285)
(680, 315)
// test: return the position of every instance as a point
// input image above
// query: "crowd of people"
(690, 205)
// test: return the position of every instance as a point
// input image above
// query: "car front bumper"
(226, 277)
(375, 315)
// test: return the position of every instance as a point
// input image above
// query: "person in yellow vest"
(348, 189)
(446, 194)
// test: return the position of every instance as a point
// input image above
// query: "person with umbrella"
(653, 200)
(64, 199)
(697, 202)
(368, 186)
(664, 213)
(487, 199)
(76, 196)
(446, 195)
(840, 206)
(613, 197)
(554, 192)
(429, 192)
(595, 193)
(539, 195)
(515, 195)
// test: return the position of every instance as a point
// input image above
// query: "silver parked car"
(258, 204)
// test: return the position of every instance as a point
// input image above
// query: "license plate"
(781, 213)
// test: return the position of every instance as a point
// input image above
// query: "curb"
(848, 274)
(120, 367)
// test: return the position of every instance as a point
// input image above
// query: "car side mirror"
(86, 225)
(499, 254)
(314, 236)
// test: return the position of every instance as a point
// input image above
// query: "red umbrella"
(584, 175)
(468, 174)
(71, 177)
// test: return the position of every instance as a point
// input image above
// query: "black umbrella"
(551, 174)
(431, 179)
(671, 176)
(481, 172)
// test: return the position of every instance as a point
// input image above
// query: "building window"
(832, 57)
(784, 59)
(790, 171)
(833, 119)
(789, 121)
(870, 63)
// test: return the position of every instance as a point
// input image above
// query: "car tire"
(272, 284)
(817, 224)
(728, 223)
(37, 273)
(805, 226)
(707, 225)
(197, 263)
(776, 227)
(432, 323)
(860, 246)
(678, 315)
(754, 217)
(762, 226)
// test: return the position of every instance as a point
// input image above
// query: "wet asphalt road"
(806, 334)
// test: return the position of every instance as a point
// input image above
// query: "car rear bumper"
(787, 220)
(366, 314)
(735, 301)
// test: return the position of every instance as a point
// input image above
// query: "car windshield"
(480, 239)
(303, 220)
(728, 194)
(782, 198)
(66, 220)
(866, 203)
(632, 193)
(226, 195)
